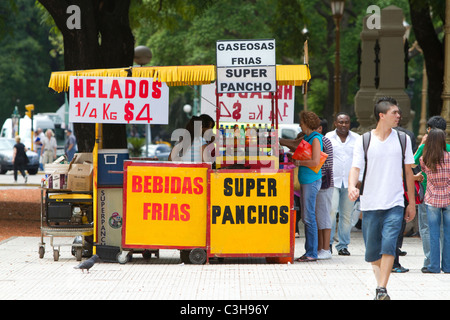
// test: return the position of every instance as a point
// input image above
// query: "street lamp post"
(305, 33)
(337, 9)
(446, 92)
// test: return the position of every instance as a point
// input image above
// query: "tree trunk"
(104, 40)
(433, 52)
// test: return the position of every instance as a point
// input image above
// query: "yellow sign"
(165, 205)
(250, 213)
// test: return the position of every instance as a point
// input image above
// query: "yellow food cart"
(202, 210)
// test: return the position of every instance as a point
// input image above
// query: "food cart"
(66, 211)
(204, 211)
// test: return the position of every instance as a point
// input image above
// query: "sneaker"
(425, 270)
(381, 294)
(324, 255)
(343, 252)
(399, 269)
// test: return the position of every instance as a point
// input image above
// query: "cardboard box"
(57, 181)
(56, 175)
(79, 177)
(82, 157)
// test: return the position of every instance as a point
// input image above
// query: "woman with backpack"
(435, 163)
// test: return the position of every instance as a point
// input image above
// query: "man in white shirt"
(343, 141)
(49, 146)
(382, 201)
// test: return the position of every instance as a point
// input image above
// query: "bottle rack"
(253, 146)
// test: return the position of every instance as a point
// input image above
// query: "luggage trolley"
(65, 213)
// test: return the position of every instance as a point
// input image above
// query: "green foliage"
(136, 145)
(25, 61)
(185, 32)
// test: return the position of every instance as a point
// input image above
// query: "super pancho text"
(251, 212)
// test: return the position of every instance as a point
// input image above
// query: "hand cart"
(65, 213)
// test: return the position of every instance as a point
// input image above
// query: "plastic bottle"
(269, 140)
(242, 136)
(247, 136)
(221, 140)
(236, 138)
(255, 135)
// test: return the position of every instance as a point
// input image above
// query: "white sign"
(244, 53)
(246, 66)
(253, 107)
(118, 100)
(248, 79)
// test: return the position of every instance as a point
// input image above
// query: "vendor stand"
(202, 211)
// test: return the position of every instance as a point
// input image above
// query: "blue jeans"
(308, 203)
(424, 232)
(435, 216)
(342, 204)
(380, 231)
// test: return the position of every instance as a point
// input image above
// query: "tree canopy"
(184, 33)
(26, 60)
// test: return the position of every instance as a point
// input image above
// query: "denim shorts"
(380, 231)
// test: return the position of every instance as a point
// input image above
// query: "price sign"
(118, 100)
(253, 107)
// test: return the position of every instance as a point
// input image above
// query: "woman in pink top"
(435, 162)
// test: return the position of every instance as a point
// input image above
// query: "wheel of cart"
(41, 251)
(77, 248)
(126, 256)
(194, 256)
(62, 221)
(56, 254)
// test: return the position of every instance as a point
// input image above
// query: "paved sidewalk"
(23, 275)
(8, 180)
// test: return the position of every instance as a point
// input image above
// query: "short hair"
(437, 122)
(310, 119)
(382, 105)
(341, 114)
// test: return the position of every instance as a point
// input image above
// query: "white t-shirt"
(49, 144)
(383, 188)
(194, 153)
(342, 156)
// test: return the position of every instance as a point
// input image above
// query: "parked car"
(288, 131)
(160, 151)
(6, 153)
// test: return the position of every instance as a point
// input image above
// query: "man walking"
(382, 202)
(70, 148)
(343, 141)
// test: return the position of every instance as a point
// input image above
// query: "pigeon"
(89, 263)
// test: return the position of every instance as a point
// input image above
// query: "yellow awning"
(176, 75)
(294, 75)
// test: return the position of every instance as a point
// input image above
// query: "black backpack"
(366, 141)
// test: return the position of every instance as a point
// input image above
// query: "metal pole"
(337, 76)
(446, 92)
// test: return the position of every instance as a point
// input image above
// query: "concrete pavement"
(7, 180)
(23, 275)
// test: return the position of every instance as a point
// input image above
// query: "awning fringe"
(176, 75)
